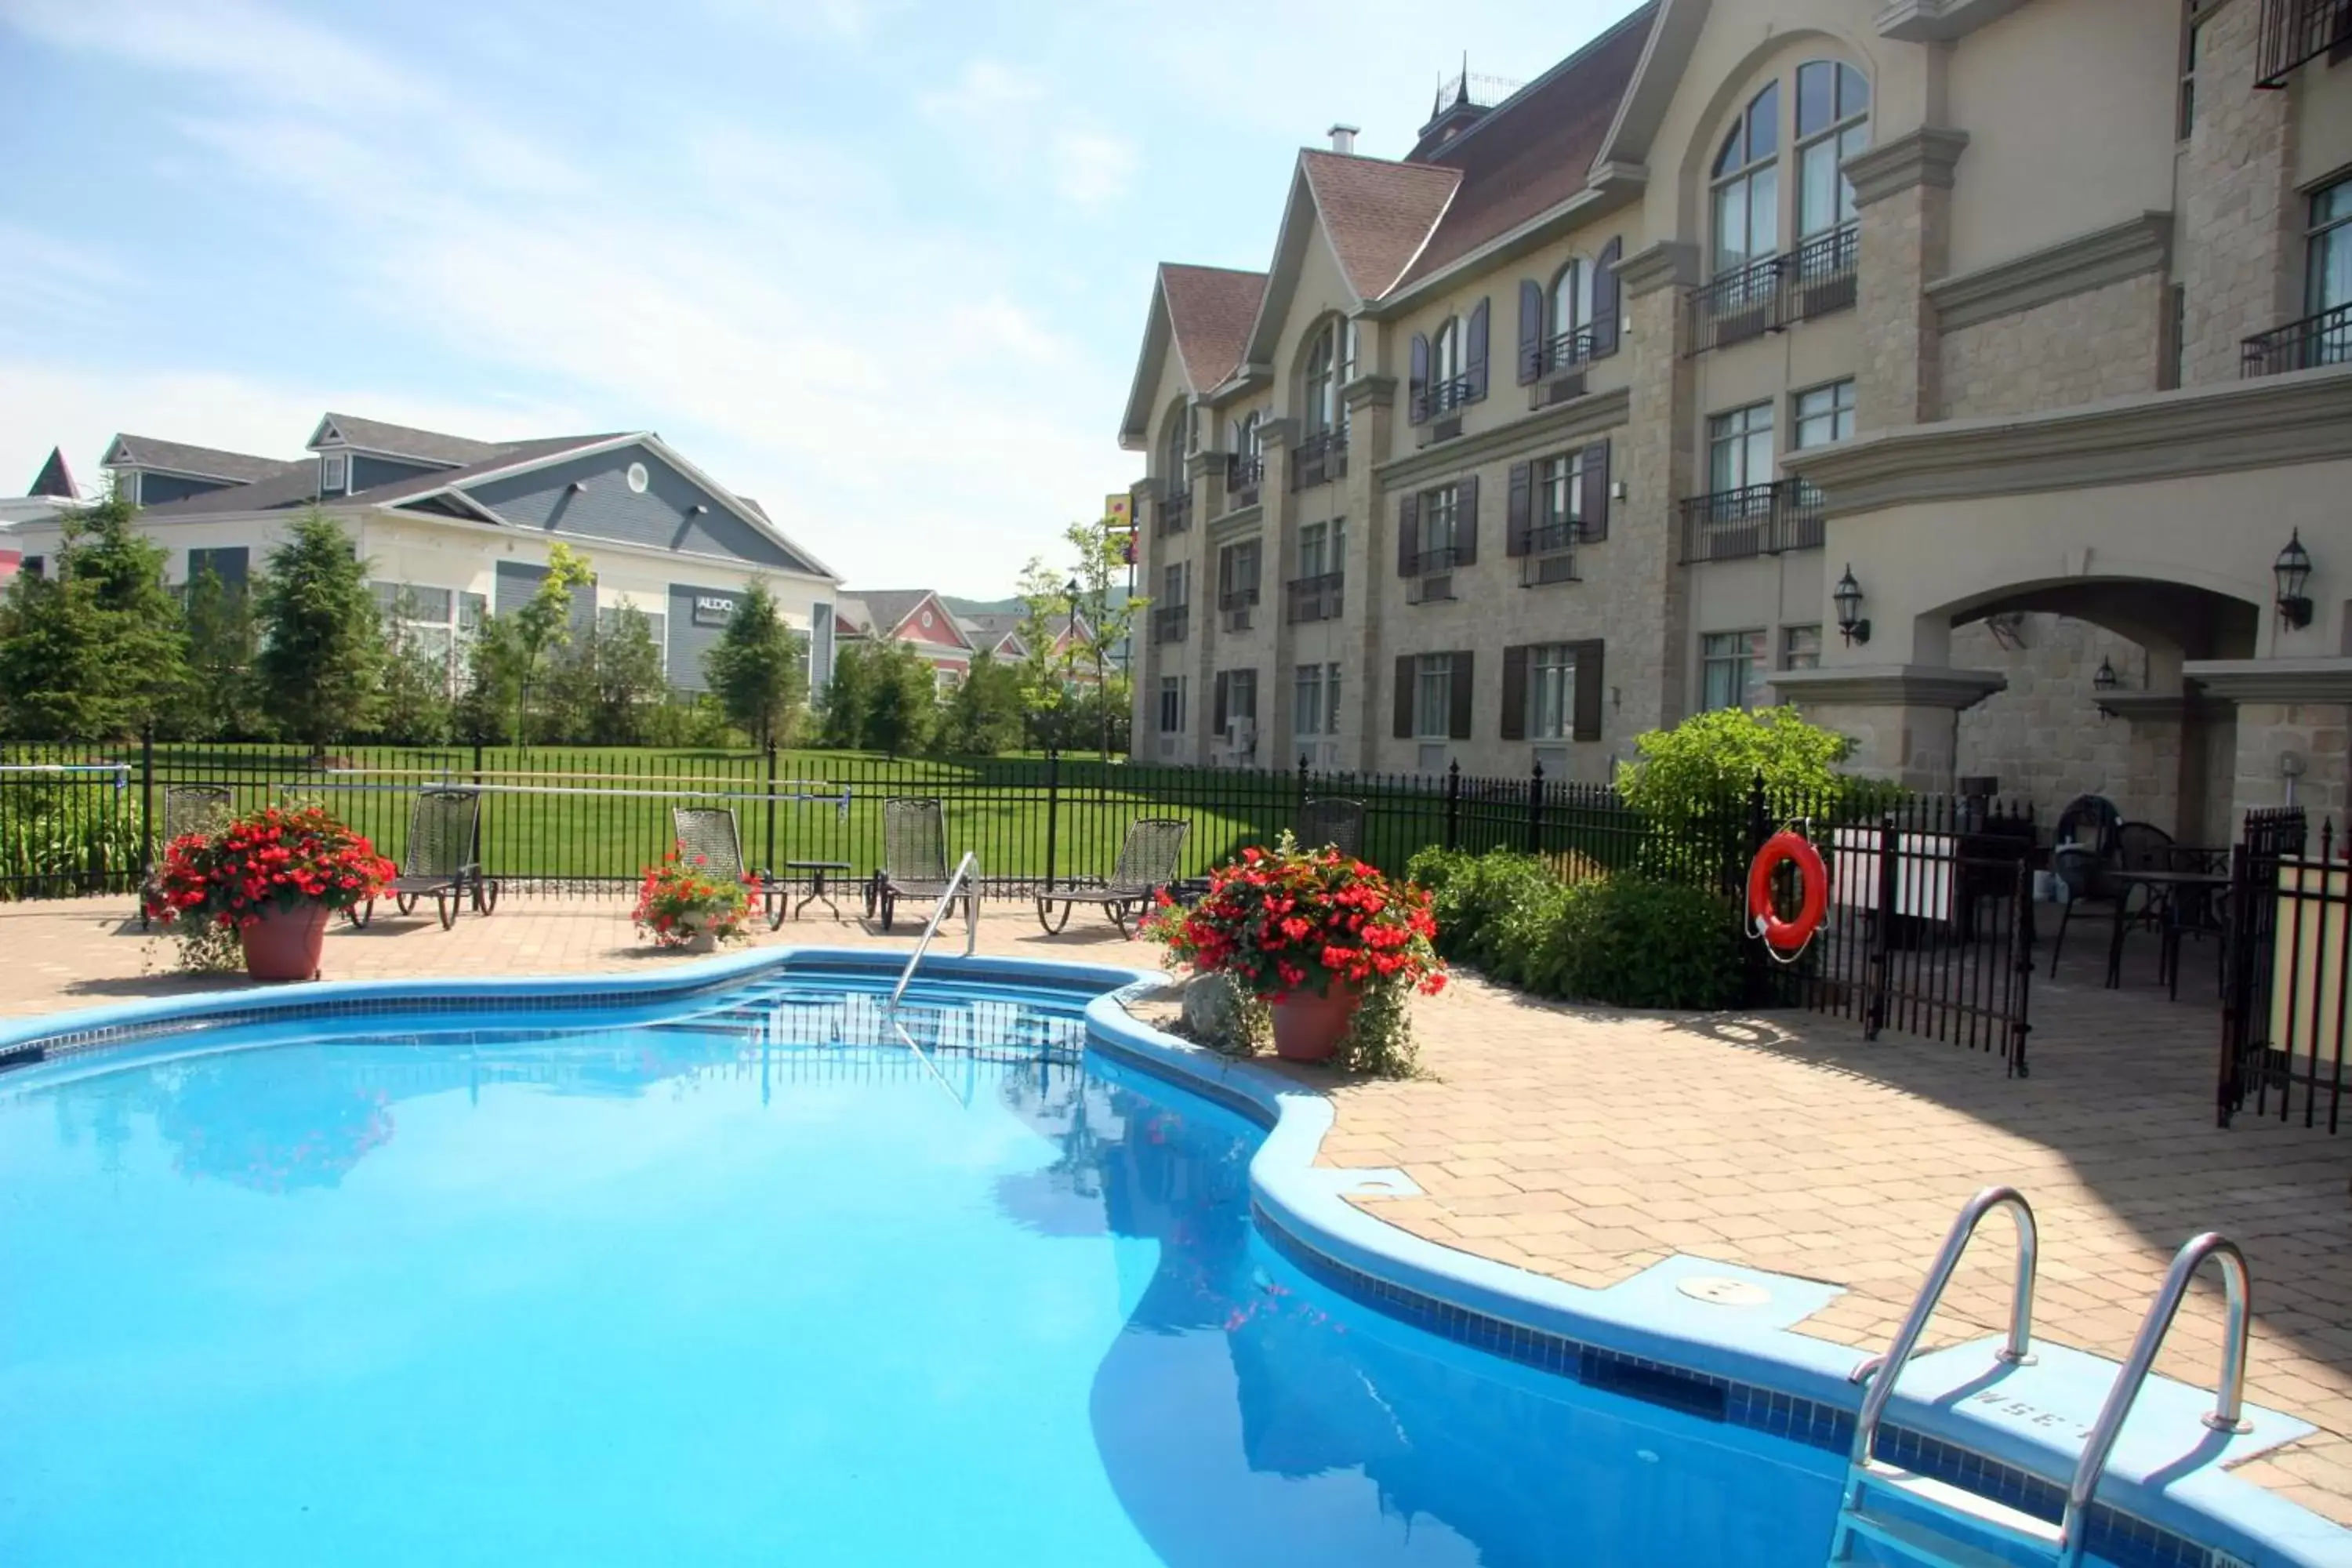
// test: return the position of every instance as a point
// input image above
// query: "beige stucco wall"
(2238, 238)
(2068, 106)
(2105, 342)
(2322, 101)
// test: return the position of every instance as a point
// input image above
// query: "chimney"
(1343, 138)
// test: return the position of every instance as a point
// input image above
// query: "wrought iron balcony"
(1316, 598)
(1319, 459)
(1570, 351)
(1169, 623)
(2297, 31)
(1175, 511)
(1551, 554)
(1442, 397)
(1814, 280)
(1244, 474)
(1755, 520)
(2324, 339)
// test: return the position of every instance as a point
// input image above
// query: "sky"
(882, 265)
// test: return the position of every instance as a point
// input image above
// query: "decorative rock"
(1213, 1011)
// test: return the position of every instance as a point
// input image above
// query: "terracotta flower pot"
(286, 944)
(1307, 1027)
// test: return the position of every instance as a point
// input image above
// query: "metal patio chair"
(913, 860)
(708, 832)
(442, 860)
(187, 808)
(1333, 822)
(1147, 864)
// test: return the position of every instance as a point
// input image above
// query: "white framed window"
(1177, 578)
(1171, 704)
(1319, 392)
(1740, 448)
(1731, 669)
(1440, 517)
(1832, 125)
(1551, 691)
(1560, 498)
(471, 608)
(1445, 354)
(1745, 195)
(1171, 457)
(1800, 647)
(1314, 540)
(1433, 697)
(1570, 304)
(1826, 413)
(2327, 270)
(638, 479)
(334, 473)
(1315, 701)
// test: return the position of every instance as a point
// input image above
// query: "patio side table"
(819, 889)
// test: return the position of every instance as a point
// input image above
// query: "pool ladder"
(966, 870)
(1868, 1476)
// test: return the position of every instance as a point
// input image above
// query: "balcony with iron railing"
(2323, 339)
(1550, 552)
(1814, 280)
(1175, 511)
(1439, 398)
(1245, 472)
(1755, 520)
(1319, 458)
(1431, 574)
(1315, 598)
(2296, 32)
(1566, 354)
(1169, 623)
(1235, 605)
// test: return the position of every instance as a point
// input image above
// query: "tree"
(96, 650)
(222, 702)
(417, 709)
(984, 714)
(604, 690)
(488, 700)
(902, 698)
(1059, 667)
(841, 719)
(321, 662)
(544, 623)
(758, 669)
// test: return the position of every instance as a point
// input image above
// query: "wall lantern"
(2105, 680)
(2292, 570)
(1848, 595)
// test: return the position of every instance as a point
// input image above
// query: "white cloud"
(1091, 168)
(982, 97)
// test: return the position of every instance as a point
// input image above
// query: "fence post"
(1882, 928)
(1454, 804)
(146, 803)
(2021, 938)
(767, 867)
(2237, 992)
(1756, 972)
(1535, 810)
(1053, 809)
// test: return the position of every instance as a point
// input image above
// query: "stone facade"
(2240, 219)
(2103, 343)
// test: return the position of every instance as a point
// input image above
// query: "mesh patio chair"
(187, 808)
(708, 832)
(913, 860)
(1147, 863)
(441, 860)
(1333, 822)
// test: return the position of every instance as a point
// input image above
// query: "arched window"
(1246, 442)
(1171, 473)
(1445, 356)
(1321, 398)
(1570, 306)
(1746, 174)
(1832, 125)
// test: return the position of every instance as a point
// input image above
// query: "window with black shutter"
(1519, 506)
(1588, 689)
(1406, 666)
(1515, 693)
(1606, 307)
(1224, 694)
(1458, 706)
(1596, 491)
(1531, 331)
(1473, 368)
(1466, 521)
(1408, 535)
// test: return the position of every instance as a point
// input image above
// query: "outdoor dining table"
(2169, 883)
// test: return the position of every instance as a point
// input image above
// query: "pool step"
(1914, 1541)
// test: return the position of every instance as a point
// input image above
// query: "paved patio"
(1589, 1144)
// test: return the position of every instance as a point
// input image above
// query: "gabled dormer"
(145, 471)
(357, 454)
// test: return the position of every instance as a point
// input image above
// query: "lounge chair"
(1334, 823)
(442, 858)
(913, 860)
(709, 832)
(1147, 864)
(187, 808)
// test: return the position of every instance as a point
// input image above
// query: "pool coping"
(1758, 1375)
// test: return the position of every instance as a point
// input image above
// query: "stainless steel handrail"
(1907, 1338)
(965, 870)
(2228, 1400)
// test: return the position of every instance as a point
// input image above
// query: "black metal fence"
(2289, 913)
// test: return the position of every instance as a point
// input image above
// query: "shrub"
(1631, 941)
(1470, 893)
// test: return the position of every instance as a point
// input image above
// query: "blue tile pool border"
(1796, 1389)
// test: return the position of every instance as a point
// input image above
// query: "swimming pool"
(744, 1282)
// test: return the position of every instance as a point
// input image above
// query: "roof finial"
(1461, 98)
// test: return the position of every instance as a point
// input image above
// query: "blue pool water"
(751, 1287)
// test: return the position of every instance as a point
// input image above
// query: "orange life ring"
(1787, 847)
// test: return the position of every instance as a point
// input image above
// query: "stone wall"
(2317, 733)
(2043, 737)
(2105, 342)
(2239, 215)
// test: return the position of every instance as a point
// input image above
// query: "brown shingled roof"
(1378, 213)
(1535, 149)
(1211, 310)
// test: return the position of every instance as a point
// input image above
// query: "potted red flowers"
(1333, 944)
(268, 881)
(682, 904)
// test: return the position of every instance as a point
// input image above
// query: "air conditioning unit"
(1167, 747)
(1240, 739)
